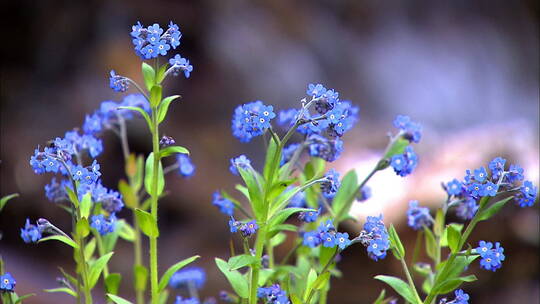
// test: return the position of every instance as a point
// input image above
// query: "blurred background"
(467, 70)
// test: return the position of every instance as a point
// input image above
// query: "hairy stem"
(154, 208)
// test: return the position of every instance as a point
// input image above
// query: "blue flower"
(7, 282)
(491, 257)
(418, 217)
(239, 162)
(461, 298)
(309, 216)
(329, 240)
(311, 239)
(149, 51)
(475, 189)
(330, 186)
(180, 300)
(342, 118)
(30, 233)
(363, 194)
(404, 164)
(191, 275)
(298, 200)
(412, 131)
(234, 225)
(103, 225)
(273, 294)
(497, 167)
(480, 174)
(342, 240)
(56, 191)
(287, 118)
(251, 120)
(453, 187)
(467, 209)
(118, 83)
(326, 101)
(375, 237)
(224, 205)
(377, 249)
(315, 90)
(515, 174)
(526, 195)
(186, 168)
(249, 228)
(329, 150)
(162, 47)
(166, 141)
(288, 153)
(489, 189)
(179, 64)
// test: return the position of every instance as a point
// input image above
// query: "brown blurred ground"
(468, 70)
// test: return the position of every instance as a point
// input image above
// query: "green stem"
(101, 251)
(270, 252)
(325, 269)
(154, 208)
(410, 280)
(137, 248)
(259, 248)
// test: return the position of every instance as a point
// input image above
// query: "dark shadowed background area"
(467, 70)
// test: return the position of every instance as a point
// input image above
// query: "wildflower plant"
(289, 185)
(78, 189)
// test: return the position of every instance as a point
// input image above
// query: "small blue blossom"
(489, 189)
(273, 295)
(234, 225)
(491, 257)
(287, 118)
(329, 240)
(404, 164)
(363, 194)
(103, 225)
(117, 82)
(224, 205)
(467, 209)
(453, 187)
(418, 217)
(56, 191)
(309, 216)
(191, 275)
(526, 195)
(251, 120)
(480, 174)
(249, 228)
(153, 41)
(412, 131)
(311, 239)
(342, 118)
(475, 189)
(497, 167)
(342, 240)
(327, 149)
(331, 184)
(180, 300)
(377, 249)
(186, 168)
(239, 162)
(7, 282)
(166, 141)
(375, 237)
(288, 153)
(179, 64)
(515, 174)
(30, 233)
(461, 298)
(315, 90)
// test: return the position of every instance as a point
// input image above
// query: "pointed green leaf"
(164, 107)
(82, 227)
(399, 286)
(454, 237)
(147, 223)
(270, 161)
(238, 282)
(312, 276)
(149, 172)
(174, 268)
(431, 243)
(60, 238)
(395, 243)
(155, 95)
(5, 199)
(243, 260)
(112, 283)
(380, 298)
(62, 289)
(142, 112)
(141, 275)
(398, 147)
(149, 75)
(86, 205)
(125, 231)
(118, 300)
(170, 150)
(344, 198)
(493, 209)
(72, 197)
(255, 192)
(452, 284)
(97, 267)
(21, 298)
(161, 73)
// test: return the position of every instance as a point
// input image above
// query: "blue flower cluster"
(273, 295)
(460, 298)
(288, 152)
(375, 237)
(327, 149)
(330, 185)
(410, 130)
(7, 282)
(251, 120)
(247, 229)
(418, 217)
(152, 41)
(186, 168)
(481, 183)
(102, 224)
(363, 194)
(224, 205)
(180, 300)
(31, 233)
(326, 235)
(309, 216)
(194, 276)
(492, 257)
(239, 162)
(108, 116)
(405, 163)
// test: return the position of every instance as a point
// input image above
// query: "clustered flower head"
(330, 185)
(492, 257)
(251, 120)
(224, 205)
(166, 141)
(327, 149)
(375, 237)
(7, 282)
(273, 295)
(363, 194)
(410, 130)
(418, 217)
(152, 41)
(102, 224)
(404, 164)
(460, 298)
(239, 162)
(31, 233)
(186, 168)
(326, 235)
(194, 276)
(309, 216)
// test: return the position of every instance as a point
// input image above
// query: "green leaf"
(128, 195)
(60, 238)
(423, 269)
(455, 269)
(125, 231)
(112, 282)
(284, 214)
(444, 238)
(380, 298)
(86, 205)
(161, 73)
(452, 284)
(163, 296)
(295, 299)
(493, 209)
(278, 239)
(243, 260)
(139, 176)
(142, 112)
(174, 268)
(97, 267)
(398, 147)
(325, 254)
(72, 197)
(282, 201)
(270, 161)
(399, 286)
(454, 237)
(149, 171)
(155, 95)
(172, 150)
(314, 168)
(82, 228)
(395, 243)
(345, 196)
(238, 282)
(243, 190)
(147, 223)
(312, 276)
(149, 75)
(141, 275)
(5, 199)
(438, 228)
(431, 243)
(118, 300)
(69, 291)
(255, 193)
(21, 298)
(321, 281)
(164, 107)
